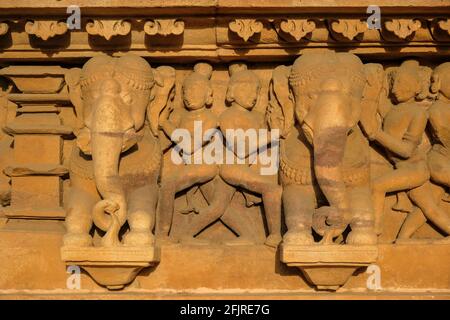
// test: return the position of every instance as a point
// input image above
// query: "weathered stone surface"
(215, 148)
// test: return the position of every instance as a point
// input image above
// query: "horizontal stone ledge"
(56, 213)
(19, 128)
(220, 6)
(39, 97)
(32, 169)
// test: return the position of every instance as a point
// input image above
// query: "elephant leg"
(141, 215)
(83, 196)
(299, 204)
(362, 219)
(412, 223)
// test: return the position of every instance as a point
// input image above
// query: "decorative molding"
(245, 28)
(444, 25)
(348, 28)
(108, 28)
(3, 28)
(164, 27)
(297, 28)
(403, 28)
(45, 29)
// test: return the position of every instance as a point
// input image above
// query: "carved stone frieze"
(273, 148)
(164, 27)
(348, 28)
(297, 28)
(45, 29)
(403, 28)
(444, 25)
(108, 28)
(3, 28)
(245, 28)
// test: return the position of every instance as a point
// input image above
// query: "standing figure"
(197, 97)
(239, 171)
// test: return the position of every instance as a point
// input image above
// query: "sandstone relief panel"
(353, 145)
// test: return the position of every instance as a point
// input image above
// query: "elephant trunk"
(327, 127)
(107, 137)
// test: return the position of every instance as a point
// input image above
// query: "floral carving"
(444, 25)
(297, 28)
(45, 29)
(3, 28)
(164, 27)
(245, 28)
(108, 28)
(349, 28)
(403, 28)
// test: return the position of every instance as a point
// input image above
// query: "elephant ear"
(72, 78)
(374, 88)
(280, 112)
(163, 92)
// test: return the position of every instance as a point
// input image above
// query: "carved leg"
(243, 176)
(298, 203)
(83, 196)
(184, 178)
(362, 220)
(141, 215)
(403, 178)
(423, 197)
(412, 223)
(218, 202)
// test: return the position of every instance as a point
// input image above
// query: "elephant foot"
(362, 236)
(273, 240)
(139, 238)
(298, 238)
(77, 240)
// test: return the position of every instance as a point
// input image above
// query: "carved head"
(136, 79)
(313, 74)
(197, 89)
(244, 86)
(410, 81)
(440, 80)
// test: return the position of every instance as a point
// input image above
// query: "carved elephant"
(324, 156)
(115, 163)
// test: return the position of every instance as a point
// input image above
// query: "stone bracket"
(328, 267)
(113, 267)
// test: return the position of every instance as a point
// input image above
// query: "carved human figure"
(239, 171)
(324, 157)
(401, 135)
(438, 160)
(192, 170)
(439, 117)
(6, 153)
(115, 163)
